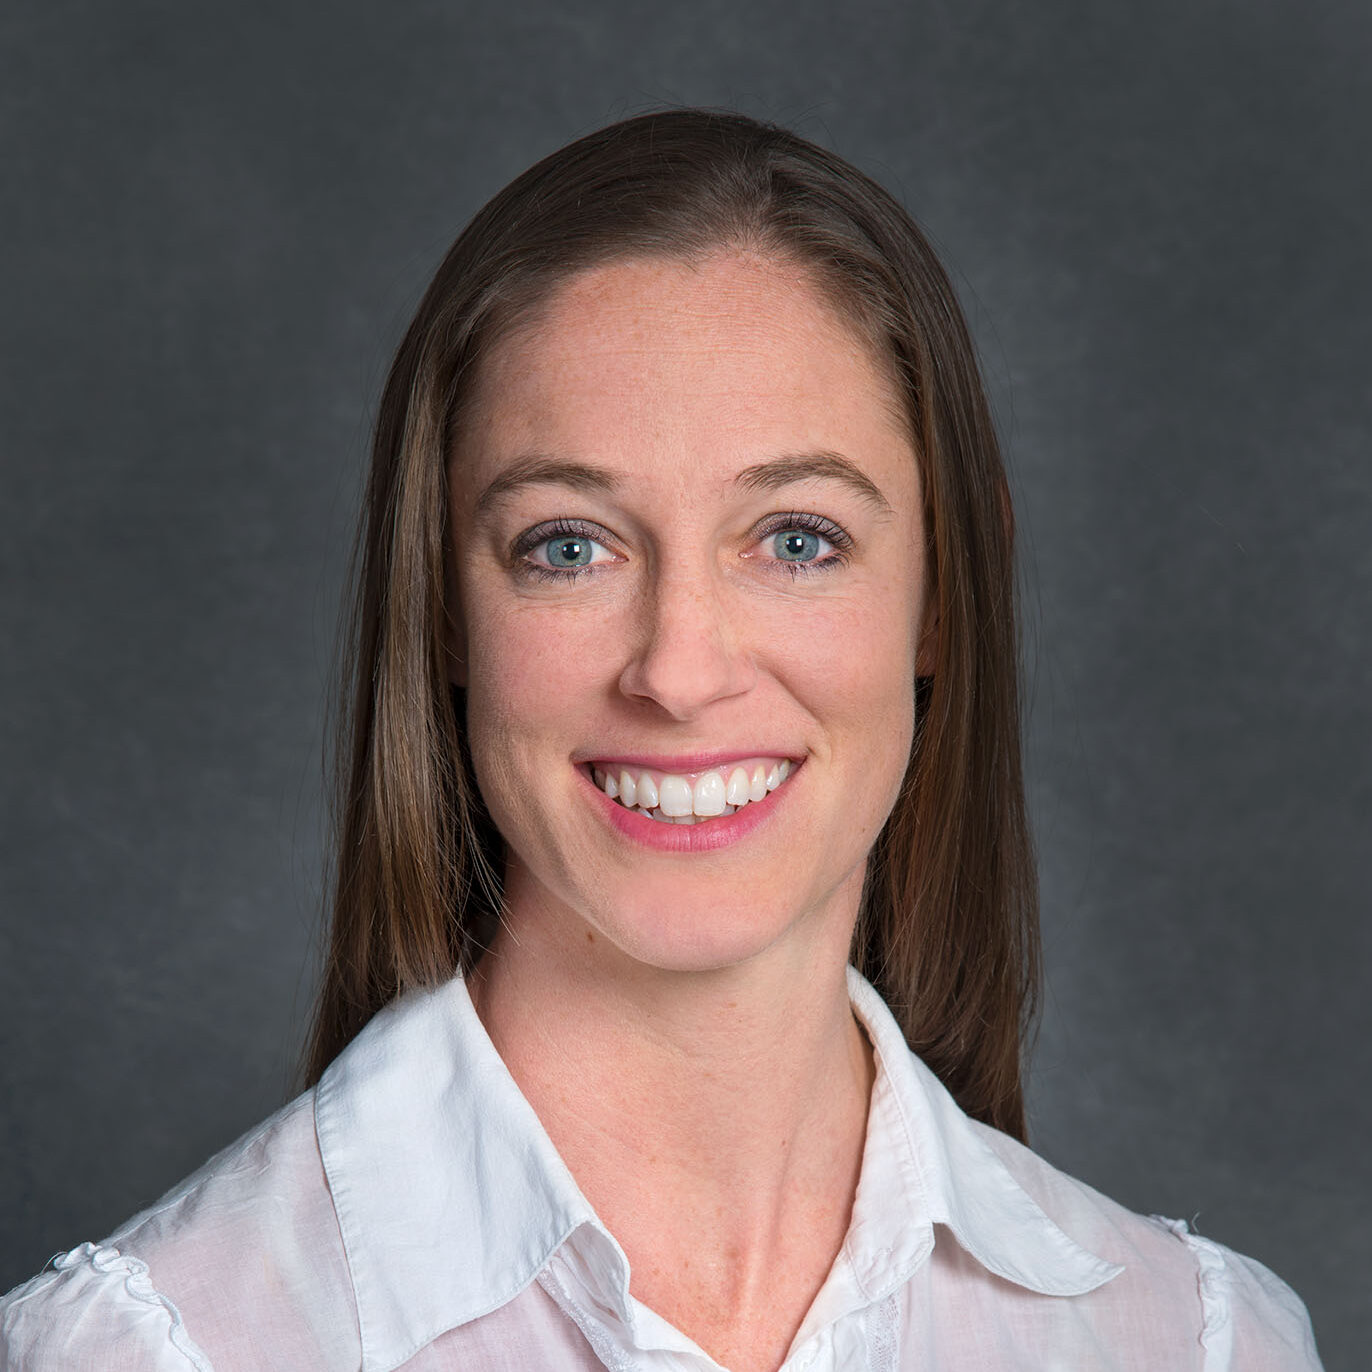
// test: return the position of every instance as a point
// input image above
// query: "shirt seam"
(1216, 1335)
(109, 1261)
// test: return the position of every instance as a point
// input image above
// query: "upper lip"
(685, 762)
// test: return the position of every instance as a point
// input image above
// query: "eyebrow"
(545, 471)
(784, 471)
(762, 476)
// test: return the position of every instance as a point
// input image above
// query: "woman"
(685, 676)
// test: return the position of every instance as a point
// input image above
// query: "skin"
(680, 1021)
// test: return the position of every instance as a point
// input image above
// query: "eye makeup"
(801, 542)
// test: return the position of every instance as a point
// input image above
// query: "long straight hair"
(947, 929)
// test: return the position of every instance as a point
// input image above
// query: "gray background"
(216, 222)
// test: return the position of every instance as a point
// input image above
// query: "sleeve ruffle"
(1251, 1321)
(94, 1308)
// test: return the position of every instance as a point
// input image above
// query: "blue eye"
(569, 551)
(797, 545)
(559, 551)
(802, 542)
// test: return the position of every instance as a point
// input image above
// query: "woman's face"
(690, 570)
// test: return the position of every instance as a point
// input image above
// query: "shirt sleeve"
(1252, 1321)
(94, 1310)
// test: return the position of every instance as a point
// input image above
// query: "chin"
(675, 933)
(688, 950)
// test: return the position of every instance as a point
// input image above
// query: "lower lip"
(707, 836)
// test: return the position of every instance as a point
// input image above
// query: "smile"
(692, 798)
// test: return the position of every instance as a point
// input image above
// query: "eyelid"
(825, 527)
(526, 567)
(541, 533)
(840, 542)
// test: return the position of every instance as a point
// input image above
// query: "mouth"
(691, 798)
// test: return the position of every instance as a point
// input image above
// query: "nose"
(688, 650)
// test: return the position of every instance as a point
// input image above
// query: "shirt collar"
(449, 1194)
(451, 1198)
(922, 1148)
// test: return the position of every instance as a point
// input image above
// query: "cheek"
(529, 670)
(859, 655)
(858, 678)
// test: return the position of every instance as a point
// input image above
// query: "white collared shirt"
(411, 1212)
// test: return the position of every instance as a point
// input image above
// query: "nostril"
(691, 672)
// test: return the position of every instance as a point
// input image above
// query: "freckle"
(590, 937)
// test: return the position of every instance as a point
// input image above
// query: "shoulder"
(1242, 1315)
(238, 1264)
(94, 1309)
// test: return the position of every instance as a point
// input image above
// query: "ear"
(455, 646)
(926, 652)
(454, 628)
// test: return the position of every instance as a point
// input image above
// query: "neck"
(715, 1120)
(695, 1068)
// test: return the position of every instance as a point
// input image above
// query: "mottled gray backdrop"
(216, 219)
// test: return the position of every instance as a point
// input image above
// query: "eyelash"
(814, 524)
(772, 525)
(543, 533)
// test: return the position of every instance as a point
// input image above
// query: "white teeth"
(708, 797)
(675, 800)
(674, 796)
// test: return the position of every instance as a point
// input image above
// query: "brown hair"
(948, 926)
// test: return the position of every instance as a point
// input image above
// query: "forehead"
(684, 368)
